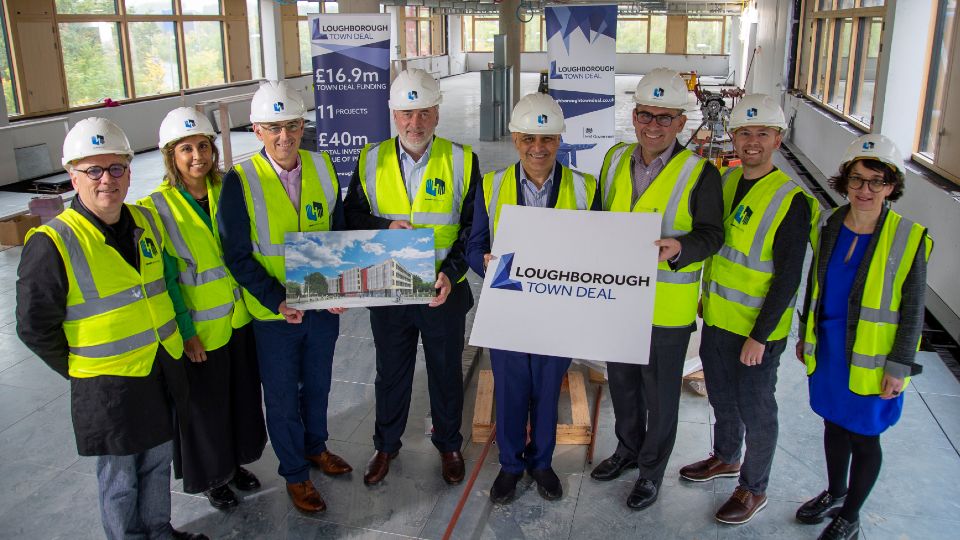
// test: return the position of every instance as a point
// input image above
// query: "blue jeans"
(135, 493)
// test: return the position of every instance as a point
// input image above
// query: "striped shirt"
(533, 196)
(643, 174)
(412, 170)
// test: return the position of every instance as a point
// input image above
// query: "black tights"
(839, 445)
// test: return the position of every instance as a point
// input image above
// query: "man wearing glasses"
(658, 175)
(284, 189)
(92, 303)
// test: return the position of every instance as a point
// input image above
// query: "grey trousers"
(135, 494)
(743, 402)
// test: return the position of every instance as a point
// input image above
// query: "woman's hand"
(194, 350)
(890, 387)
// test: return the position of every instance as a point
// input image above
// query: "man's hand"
(487, 257)
(752, 352)
(890, 387)
(194, 350)
(443, 287)
(292, 316)
(400, 224)
(337, 310)
(669, 248)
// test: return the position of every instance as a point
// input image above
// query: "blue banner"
(582, 50)
(351, 76)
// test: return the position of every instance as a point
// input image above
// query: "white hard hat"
(757, 110)
(662, 88)
(274, 102)
(184, 122)
(874, 146)
(414, 89)
(94, 136)
(537, 114)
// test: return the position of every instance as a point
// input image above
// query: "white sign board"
(570, 283)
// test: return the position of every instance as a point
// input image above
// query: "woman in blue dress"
(860, 327)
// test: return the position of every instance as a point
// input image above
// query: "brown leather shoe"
(451, 467)
(709, 469)
(306, 497)
(741, 507)
(330, 463)
(378, 467)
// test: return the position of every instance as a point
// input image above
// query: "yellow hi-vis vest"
(438, 203)
(209, 291)
(896, 249)
(675, 305)
(736, 279)
(499, 189)
(117, 316)
(272, 214)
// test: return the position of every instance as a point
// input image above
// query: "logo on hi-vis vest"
(742, 215)
(501, 279)
(97, 140)
(314, 211)
(148, 248)
(436, 187)
(278, 106)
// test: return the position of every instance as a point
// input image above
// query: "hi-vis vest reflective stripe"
(736, 280)
(117, 316)
(576, 192)
(896, 249)
(209, 291)
(436, 205)
(669, 194)
(272, 214)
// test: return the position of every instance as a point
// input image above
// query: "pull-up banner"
(582, 49)
(351, 84)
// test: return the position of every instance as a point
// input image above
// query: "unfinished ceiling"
(672, 7)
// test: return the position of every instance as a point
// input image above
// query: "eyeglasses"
(291, 127)
(663, 119)
(96, 172)
(856, 182)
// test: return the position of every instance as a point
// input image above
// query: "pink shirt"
(290, 180)
(644, 174)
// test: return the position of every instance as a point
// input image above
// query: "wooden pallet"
(576, 433)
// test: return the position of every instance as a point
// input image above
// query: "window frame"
(821, 28)
(473, 32)
(924, 159)
(722, 19)
(647, 18)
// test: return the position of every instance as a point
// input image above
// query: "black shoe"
(245, 480)
(643, 495)
(840, 529)
(222, 497)
(548, 484)
(612, 467)
(504, 488)
(817, 508)
(184, 535)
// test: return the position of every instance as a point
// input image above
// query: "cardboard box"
(14, 230)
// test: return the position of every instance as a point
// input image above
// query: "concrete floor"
(47, 491)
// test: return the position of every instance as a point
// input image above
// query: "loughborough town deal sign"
(570, 283)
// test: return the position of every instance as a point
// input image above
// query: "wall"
(626, 63)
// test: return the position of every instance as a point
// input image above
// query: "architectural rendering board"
(359, 268)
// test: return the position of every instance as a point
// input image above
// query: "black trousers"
(226, 427)
(646, 400)
(396, 330)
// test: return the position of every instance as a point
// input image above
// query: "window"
(478, 33)
(535, 34)
(841, 56)
(705, 35)
(254, 36)
(153, 53)
(940, 96)
(92, 51)
(6, 73)
(304, 10)
(633, 34)
(418, 27)
(204, 53)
